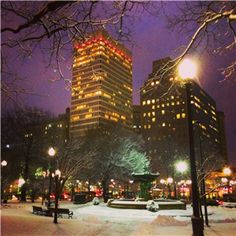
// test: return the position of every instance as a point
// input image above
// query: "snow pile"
(168, 221)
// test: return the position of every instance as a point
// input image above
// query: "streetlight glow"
(21, 181)
(169, 180)
(181, 166)
(162, 181)
(4, 163)
(51, 152)
(187, 69)
(58, 173)
(227, 171)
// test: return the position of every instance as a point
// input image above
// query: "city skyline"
(155, 41)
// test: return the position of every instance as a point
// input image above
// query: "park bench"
(38, 210)
(61, 211)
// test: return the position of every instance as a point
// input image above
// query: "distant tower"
(101, 85)
(137, 118)
(164, 121)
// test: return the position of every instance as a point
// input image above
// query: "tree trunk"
(23, 193)
(105, 191)
(26, 171)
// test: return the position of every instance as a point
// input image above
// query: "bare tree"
(53, 27)
(209, 25)
(68, 162)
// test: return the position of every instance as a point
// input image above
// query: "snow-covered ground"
(100, 220)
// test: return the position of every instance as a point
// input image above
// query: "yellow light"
(187, 69)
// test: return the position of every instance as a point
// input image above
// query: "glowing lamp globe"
(181, 166)
(187, 69)
(51, 152)
(21, 181)
(227, 171)
(162, 181)
(169, 180)
(4, 163)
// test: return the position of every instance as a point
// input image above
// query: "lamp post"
(169, 182)
(187, 70)
(181, 166)
(203, 185)
(162, 182)
(51, 153)
(3, 164)
(57, 191)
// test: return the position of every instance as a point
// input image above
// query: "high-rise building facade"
(101, 85)
(164, 121)
(137, 119)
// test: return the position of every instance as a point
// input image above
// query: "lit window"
(183, 115)
(172, 97)
(157, 82)
(144, 114)
(144, 103)
(152, 83)
(172, 103)
(178, 116)
(163, 105)
(153, 107)
(163, 124)
(153, 113)
(149, 114)
(153, 100)
(148, 101)
(88, 116)
(153, 119)
(162, 112)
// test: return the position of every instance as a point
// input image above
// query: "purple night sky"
(152, 40)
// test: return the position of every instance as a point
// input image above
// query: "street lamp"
(187, 70)
(181, 166)
(4, 163)
(57, 186)
(227, 171)
(51, 153)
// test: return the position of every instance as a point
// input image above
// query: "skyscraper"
(101, 85)
(164, 121)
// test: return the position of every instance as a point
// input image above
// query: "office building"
(164, 121)
(101, 85)
(137, 119)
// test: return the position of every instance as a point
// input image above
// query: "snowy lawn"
(89, 220)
